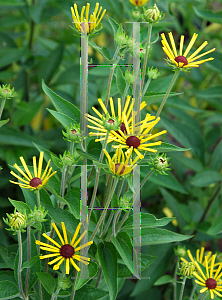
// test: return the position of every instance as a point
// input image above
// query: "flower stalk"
(20, 266)
(29, 258)
(2, 106)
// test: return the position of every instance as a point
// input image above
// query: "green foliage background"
(37, 43)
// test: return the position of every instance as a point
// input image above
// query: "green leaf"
(102, 50)
(216, 161)
(47, 281)
(212, 92)
(114, 24)
(209, 15)
(94, 148)
(62, 105)
(164, 279)
(216, 228)
(50, 64)
(123, 245)
(3, 122)
(169, 181)
(155, 236)
(73, 200)
(12, 3)
(108, 260)
(10, 55)
(9, 261)
(147, 220)
(120, 82)
(25, 112)
(95, 294)
(92, 271)
(166, 147)
(8, 290)
(206, 178)
(32, 262)
(20, 206)
(62, 118)
(87, 155)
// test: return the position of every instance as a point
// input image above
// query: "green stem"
(55, 295)
(111, 74)
(108, 223)
(204, 296)
(167, 93)
(108, 190)
(97, 176)
(117, 215)
(20, 266)
(182, 288)
(2, 106)
(175, 281)
(38, 247)
(124, 95)
(146, 87)
(143, 182)
(73, 286)
(98, 278)
(144, 67)
(105, 208)
(120, 189)
(192, 292)
(29, 257)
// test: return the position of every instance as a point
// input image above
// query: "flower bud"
(121, 37)
(73, 133)
(180, 251)
(38, 215)
(128, 77)
(124, 202)
(64, 283)
(16, 221)
(160, 164)
(7, 92)
(153, 15)
(153, 73)
(67, 159)
(110, 123)
(187, 269)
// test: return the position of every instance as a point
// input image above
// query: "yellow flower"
(138, 2)
(199, 257)
(168, 212)
(137, 135)
(87, 24)
(33, 182)
(208, 280)
(119, 115)
(64, 250)
(181, 60)
(121, 164)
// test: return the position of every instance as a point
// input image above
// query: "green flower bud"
(153, 15)
(153, 73)
(7, 92)
(136, 15)
(124, 202)
(67, 159)
(121, 37)
(16, 221)
(38, 215)
(187, 270)
(160, 164)
(180, 251)
(219, 256)
(128, 77)
(110, 123)
(64, 283)
(73, 133)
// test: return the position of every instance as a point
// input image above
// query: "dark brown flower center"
(136, 2)
(110, 121)
(117, 168)
(35, 182)
(181, 59)
(211, 283)
(73, 131)
(161, 160)
(67, 251)
(133, 141)
(122, 128)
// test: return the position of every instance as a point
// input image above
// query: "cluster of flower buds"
(73, 133)
(38, 215)
(160, 164)
(111, 123)
(124, 202)
(6, 92)
(153, 73)
(153, 15)
(67, 159)
(16, 222)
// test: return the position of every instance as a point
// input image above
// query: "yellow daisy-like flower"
(121, 164)
(208, 279)
(127, 110)
(64, 250)
(199, 257)
(137, 136)
(87, 24)
(180, 59)
(138, 2)
(38, 180)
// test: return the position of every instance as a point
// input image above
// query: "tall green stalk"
(2, 106)
(182, 288)
(29, 258)
(20, 266)
(38, 247)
